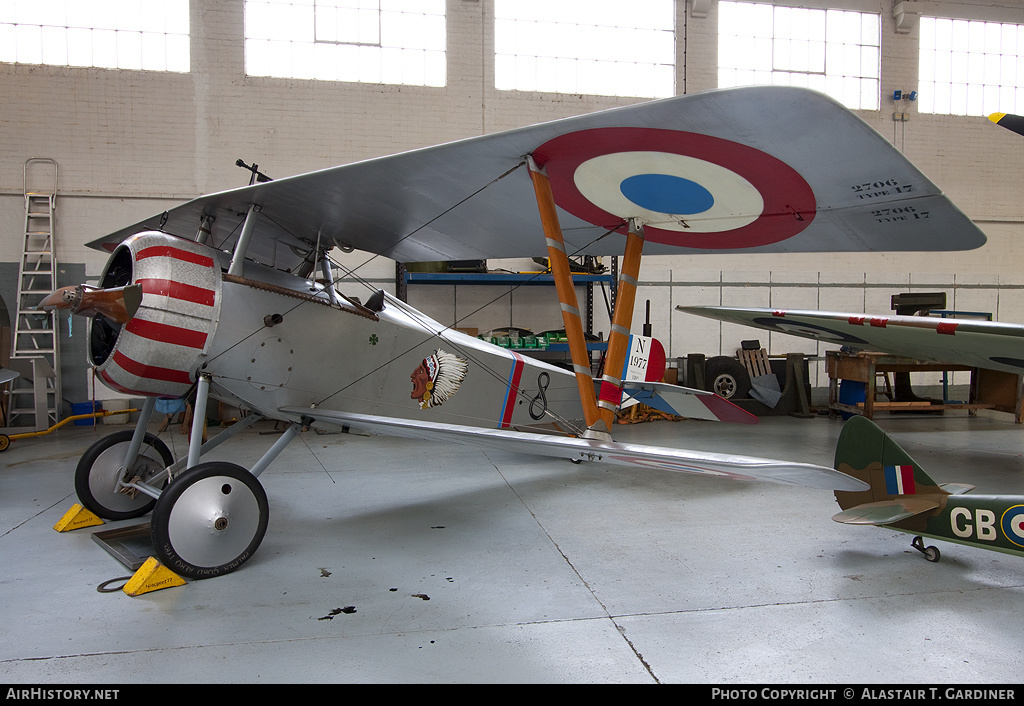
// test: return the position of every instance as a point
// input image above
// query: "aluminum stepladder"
(35, 351)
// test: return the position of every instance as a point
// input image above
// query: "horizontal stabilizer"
(886, 511)
(687, 402)
(577, 449)
(957, 488)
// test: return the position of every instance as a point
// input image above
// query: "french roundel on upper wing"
(688, 189)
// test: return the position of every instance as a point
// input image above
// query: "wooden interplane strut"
(599, 410)
(559, 261)
(622, 318)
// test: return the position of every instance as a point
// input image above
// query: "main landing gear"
(102, 472)
(210, 520)
(207, 518)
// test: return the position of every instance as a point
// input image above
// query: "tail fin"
(865, 452)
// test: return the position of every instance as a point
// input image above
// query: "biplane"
(903, 497)
(230, 296)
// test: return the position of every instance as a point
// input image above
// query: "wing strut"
(238, 258)
(559, 261)
(622, 318)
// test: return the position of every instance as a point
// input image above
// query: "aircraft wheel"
(5, 441)
(932, 554)
(210, 520)
(99, 469)
(726, 377)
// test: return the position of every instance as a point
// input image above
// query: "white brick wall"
(131, 143)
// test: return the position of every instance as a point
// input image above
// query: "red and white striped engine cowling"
(158, 352)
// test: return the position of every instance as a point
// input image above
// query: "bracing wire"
(422, 319)
(360, 280)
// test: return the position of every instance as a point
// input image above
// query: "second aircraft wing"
(982, 344)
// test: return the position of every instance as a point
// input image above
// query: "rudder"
(865, 452)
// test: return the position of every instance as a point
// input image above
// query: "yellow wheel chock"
(77, 518)
(152, 576)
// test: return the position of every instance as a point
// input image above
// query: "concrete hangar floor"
(390, 561)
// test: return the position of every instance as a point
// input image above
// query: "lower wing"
(576, 449)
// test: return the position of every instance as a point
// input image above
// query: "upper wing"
(577, 449)
(769, 169)
(982, 344)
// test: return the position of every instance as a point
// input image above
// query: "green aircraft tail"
(865, 452)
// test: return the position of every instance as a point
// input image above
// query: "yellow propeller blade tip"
(996, 117)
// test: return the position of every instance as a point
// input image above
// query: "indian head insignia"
(437, 378)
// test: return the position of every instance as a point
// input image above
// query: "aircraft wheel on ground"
(726, 377)
(100, 468)
(5, 441)
(210, 520)
(932, 554)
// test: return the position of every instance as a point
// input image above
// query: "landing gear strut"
(208, 518)
(930, 553)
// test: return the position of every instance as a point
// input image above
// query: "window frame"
(584, 72)
(312, 55)
(977, 97)
(858, 90)
(98, 34)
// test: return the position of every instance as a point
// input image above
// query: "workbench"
(990, 389)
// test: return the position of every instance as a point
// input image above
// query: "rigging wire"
(424, 321)
(449, 209)
(362, 281)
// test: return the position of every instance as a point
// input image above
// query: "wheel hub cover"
(213, 521)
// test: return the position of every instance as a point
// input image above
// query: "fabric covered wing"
(721, 171)
(635, 455)
(983, 344)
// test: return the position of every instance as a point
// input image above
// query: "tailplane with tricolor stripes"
(899, 487)
(902, 496)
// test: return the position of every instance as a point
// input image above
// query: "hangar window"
(150, 35)
(579, 46)
(970, 68)
(367, 41)
(836, 52)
